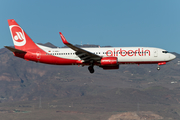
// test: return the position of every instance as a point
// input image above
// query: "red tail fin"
(21, 40)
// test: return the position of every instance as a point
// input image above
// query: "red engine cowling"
(109, 61)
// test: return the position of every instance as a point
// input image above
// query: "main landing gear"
(91, 68)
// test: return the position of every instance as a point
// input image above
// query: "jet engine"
(109, 61)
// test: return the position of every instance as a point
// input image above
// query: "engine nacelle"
(109, 61)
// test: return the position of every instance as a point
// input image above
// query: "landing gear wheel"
(158, 68)
(91, 69)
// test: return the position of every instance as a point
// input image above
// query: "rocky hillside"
(25, 80)
(22, 80)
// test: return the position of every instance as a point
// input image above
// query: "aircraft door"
(155, 52)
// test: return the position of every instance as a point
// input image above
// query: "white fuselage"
(125, 55)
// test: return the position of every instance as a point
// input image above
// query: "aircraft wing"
(81, 53)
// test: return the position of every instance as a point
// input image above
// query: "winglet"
(63, 38)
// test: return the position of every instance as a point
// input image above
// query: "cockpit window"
(164, 51)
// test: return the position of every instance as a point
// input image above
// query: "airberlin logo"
(17, 35)
(123, 53)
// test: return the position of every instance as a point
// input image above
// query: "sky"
(118, 23)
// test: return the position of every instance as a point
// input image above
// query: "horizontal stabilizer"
(14, 50)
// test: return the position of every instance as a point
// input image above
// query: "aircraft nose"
(172, 56)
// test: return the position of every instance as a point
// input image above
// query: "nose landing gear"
(158, 68)
(161, 63)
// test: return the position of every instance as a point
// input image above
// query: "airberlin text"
(123, 53)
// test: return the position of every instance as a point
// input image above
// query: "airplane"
(108, 58)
